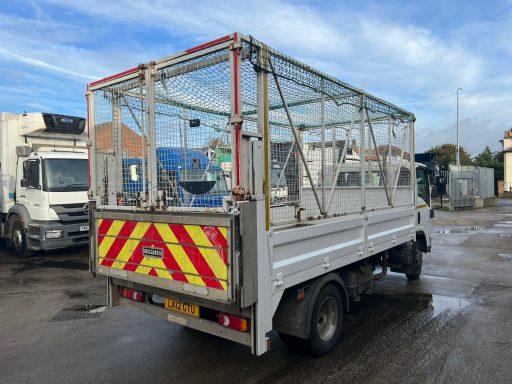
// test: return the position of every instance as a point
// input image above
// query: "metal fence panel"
(465, 183)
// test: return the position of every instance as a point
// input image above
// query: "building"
(507, 161)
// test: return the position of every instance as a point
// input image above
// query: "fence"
(466, 183)
(177, 134)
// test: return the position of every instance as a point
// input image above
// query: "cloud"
(408, 54)
(42, 64)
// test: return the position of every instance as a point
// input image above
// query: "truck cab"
(44, 183)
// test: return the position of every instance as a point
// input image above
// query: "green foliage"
(447, 154)
(490, 159)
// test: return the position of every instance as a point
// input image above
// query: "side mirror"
(431, 213)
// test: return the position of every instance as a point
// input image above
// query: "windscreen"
(63, 175)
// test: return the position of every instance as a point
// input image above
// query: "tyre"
(417, 260)
(326, 320)
(18, 240)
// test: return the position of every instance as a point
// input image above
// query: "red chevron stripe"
(103, 229)
(195, 256)
(217, 240)
(118, 243)
(168, 259)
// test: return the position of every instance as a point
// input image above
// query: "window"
(31, 174)
(422, 184)
(64, 175)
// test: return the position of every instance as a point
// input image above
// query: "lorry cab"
(51, 193)
(44, 182)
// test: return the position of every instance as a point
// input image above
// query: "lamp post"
(458, 148)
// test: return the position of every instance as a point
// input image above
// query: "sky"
(414, 54)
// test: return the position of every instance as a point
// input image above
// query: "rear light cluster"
(130, 294)
(226, 320)
(233, 322)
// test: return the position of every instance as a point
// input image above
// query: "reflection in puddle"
(473, 228)
(442, 303)
(506, 256)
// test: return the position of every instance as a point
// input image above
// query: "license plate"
(180, 306)
(84, 228)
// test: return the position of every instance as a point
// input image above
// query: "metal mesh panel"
(192, 128)
(333, 132)
(121, 144)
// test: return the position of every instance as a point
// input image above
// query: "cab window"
(423, 185)
(31, 174)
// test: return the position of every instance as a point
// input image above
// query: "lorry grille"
(71, 212)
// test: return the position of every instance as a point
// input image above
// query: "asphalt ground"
(454, 325)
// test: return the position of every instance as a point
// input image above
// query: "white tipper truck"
(43, 182)
(355, 207)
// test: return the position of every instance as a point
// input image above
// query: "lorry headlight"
(53, 233)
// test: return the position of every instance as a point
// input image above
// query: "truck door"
(30, 188)
(423, 201)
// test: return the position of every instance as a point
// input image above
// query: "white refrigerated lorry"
(43, 182)
(249, 266)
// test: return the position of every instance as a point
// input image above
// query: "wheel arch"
(20, 211)
(421, 241)
(293, 317)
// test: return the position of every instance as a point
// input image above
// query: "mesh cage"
(342, 136)
(168, 137)
(191, 144)
(121, 143)
(192, 114)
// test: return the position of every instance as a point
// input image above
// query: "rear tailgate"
(178, 253)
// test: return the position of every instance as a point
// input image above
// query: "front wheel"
(326, 321)
(18, 240)
(417, 259)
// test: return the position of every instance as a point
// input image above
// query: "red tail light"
(233, 322)
(130, 294)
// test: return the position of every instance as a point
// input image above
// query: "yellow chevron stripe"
(134, 239)
(99, 222)
(210, 255)
(179, 254)
(224, 232)
(107, 242)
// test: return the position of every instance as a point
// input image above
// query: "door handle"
(23, 196)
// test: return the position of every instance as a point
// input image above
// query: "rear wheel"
(417, 259)
(326, 321)
(18, 239)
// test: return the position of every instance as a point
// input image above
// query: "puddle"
(502, 225)
(505, 235)
(443, 303)
(505, 256)
(473, 228)
(28, 265)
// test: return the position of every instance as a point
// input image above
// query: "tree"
(447, 154)
(490, 159)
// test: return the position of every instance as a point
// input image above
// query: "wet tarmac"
(454, 325)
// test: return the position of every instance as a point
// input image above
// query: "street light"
(458, 149)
